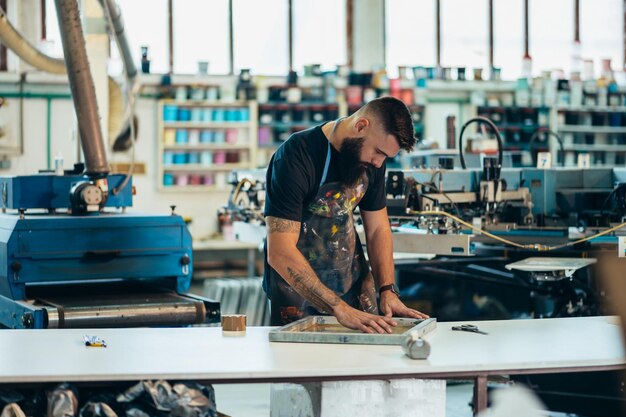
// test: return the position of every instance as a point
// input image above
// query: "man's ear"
(361, 124)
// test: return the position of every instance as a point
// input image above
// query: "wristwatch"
(389, 287)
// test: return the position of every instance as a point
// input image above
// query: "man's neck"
(336, 137)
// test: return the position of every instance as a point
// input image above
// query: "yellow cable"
(532, 246)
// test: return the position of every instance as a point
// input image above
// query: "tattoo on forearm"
(312, 289)
(276, 225)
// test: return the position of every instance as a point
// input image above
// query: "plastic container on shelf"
(207, 115)
(265, 134)
(168, 158)
(212, 93)
(170, 113)
(206, 158)
(219, 157)
(180, 158)
(231, 136)
(181, 180)
(169, 137)
(193, 158)
(195, 179)
(206, 136)
(231, 115)
(208, 179)
(168, 179)
(184, 114)
(219, 137)
(317, 114)
(232, 157)
(196, 114)
(221, 179)
(182, 136)
(194, 137)
(219, 115)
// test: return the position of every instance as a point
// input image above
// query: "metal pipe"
(113, 9)
(526, 31)
(11, 38)
(82, 87)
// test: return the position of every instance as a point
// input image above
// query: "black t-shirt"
(295, 171)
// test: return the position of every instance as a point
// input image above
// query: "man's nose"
(377, 161)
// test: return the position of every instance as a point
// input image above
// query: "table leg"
(480, 393)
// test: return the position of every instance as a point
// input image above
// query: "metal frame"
(296, 332)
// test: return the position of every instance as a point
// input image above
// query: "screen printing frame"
(296, 332)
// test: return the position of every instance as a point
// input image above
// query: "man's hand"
(391, 306)
(360, 320)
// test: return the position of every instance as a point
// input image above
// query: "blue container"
(206, 136)
(232, 115)
(182, 136)
(184, 115)
(196, 115)
(218, 115)
(615, 119)
(170, 113)
(207, 115)
(244, 114)
(168, 158)
(193, 158)
(180, 158)
(219, 137)
(168, 179)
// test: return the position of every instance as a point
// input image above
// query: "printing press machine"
(64, 266)
(514, 243)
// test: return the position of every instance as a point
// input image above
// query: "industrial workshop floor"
(253, 400)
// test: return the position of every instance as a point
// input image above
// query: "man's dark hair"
(395, 118)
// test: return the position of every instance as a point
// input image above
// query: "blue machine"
(70, 255)
(103, 268)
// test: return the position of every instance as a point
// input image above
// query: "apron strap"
(327, 163)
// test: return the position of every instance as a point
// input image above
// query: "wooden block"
(234, 324)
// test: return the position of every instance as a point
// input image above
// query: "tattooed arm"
(380, 250)
(286, 259)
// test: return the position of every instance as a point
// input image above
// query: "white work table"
(203, 353)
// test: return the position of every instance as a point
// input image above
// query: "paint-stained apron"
(328, 240)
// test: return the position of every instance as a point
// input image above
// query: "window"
(201, 34)
(551, 34)
(52, 45)
(140, 30)
(260, 32)
(145, 22)
(409, 34)
(508, 37)
(315, 42)
(464, 33)
(601, 27)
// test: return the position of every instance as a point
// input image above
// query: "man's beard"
(351, 169)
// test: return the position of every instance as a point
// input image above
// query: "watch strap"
(388, 287)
